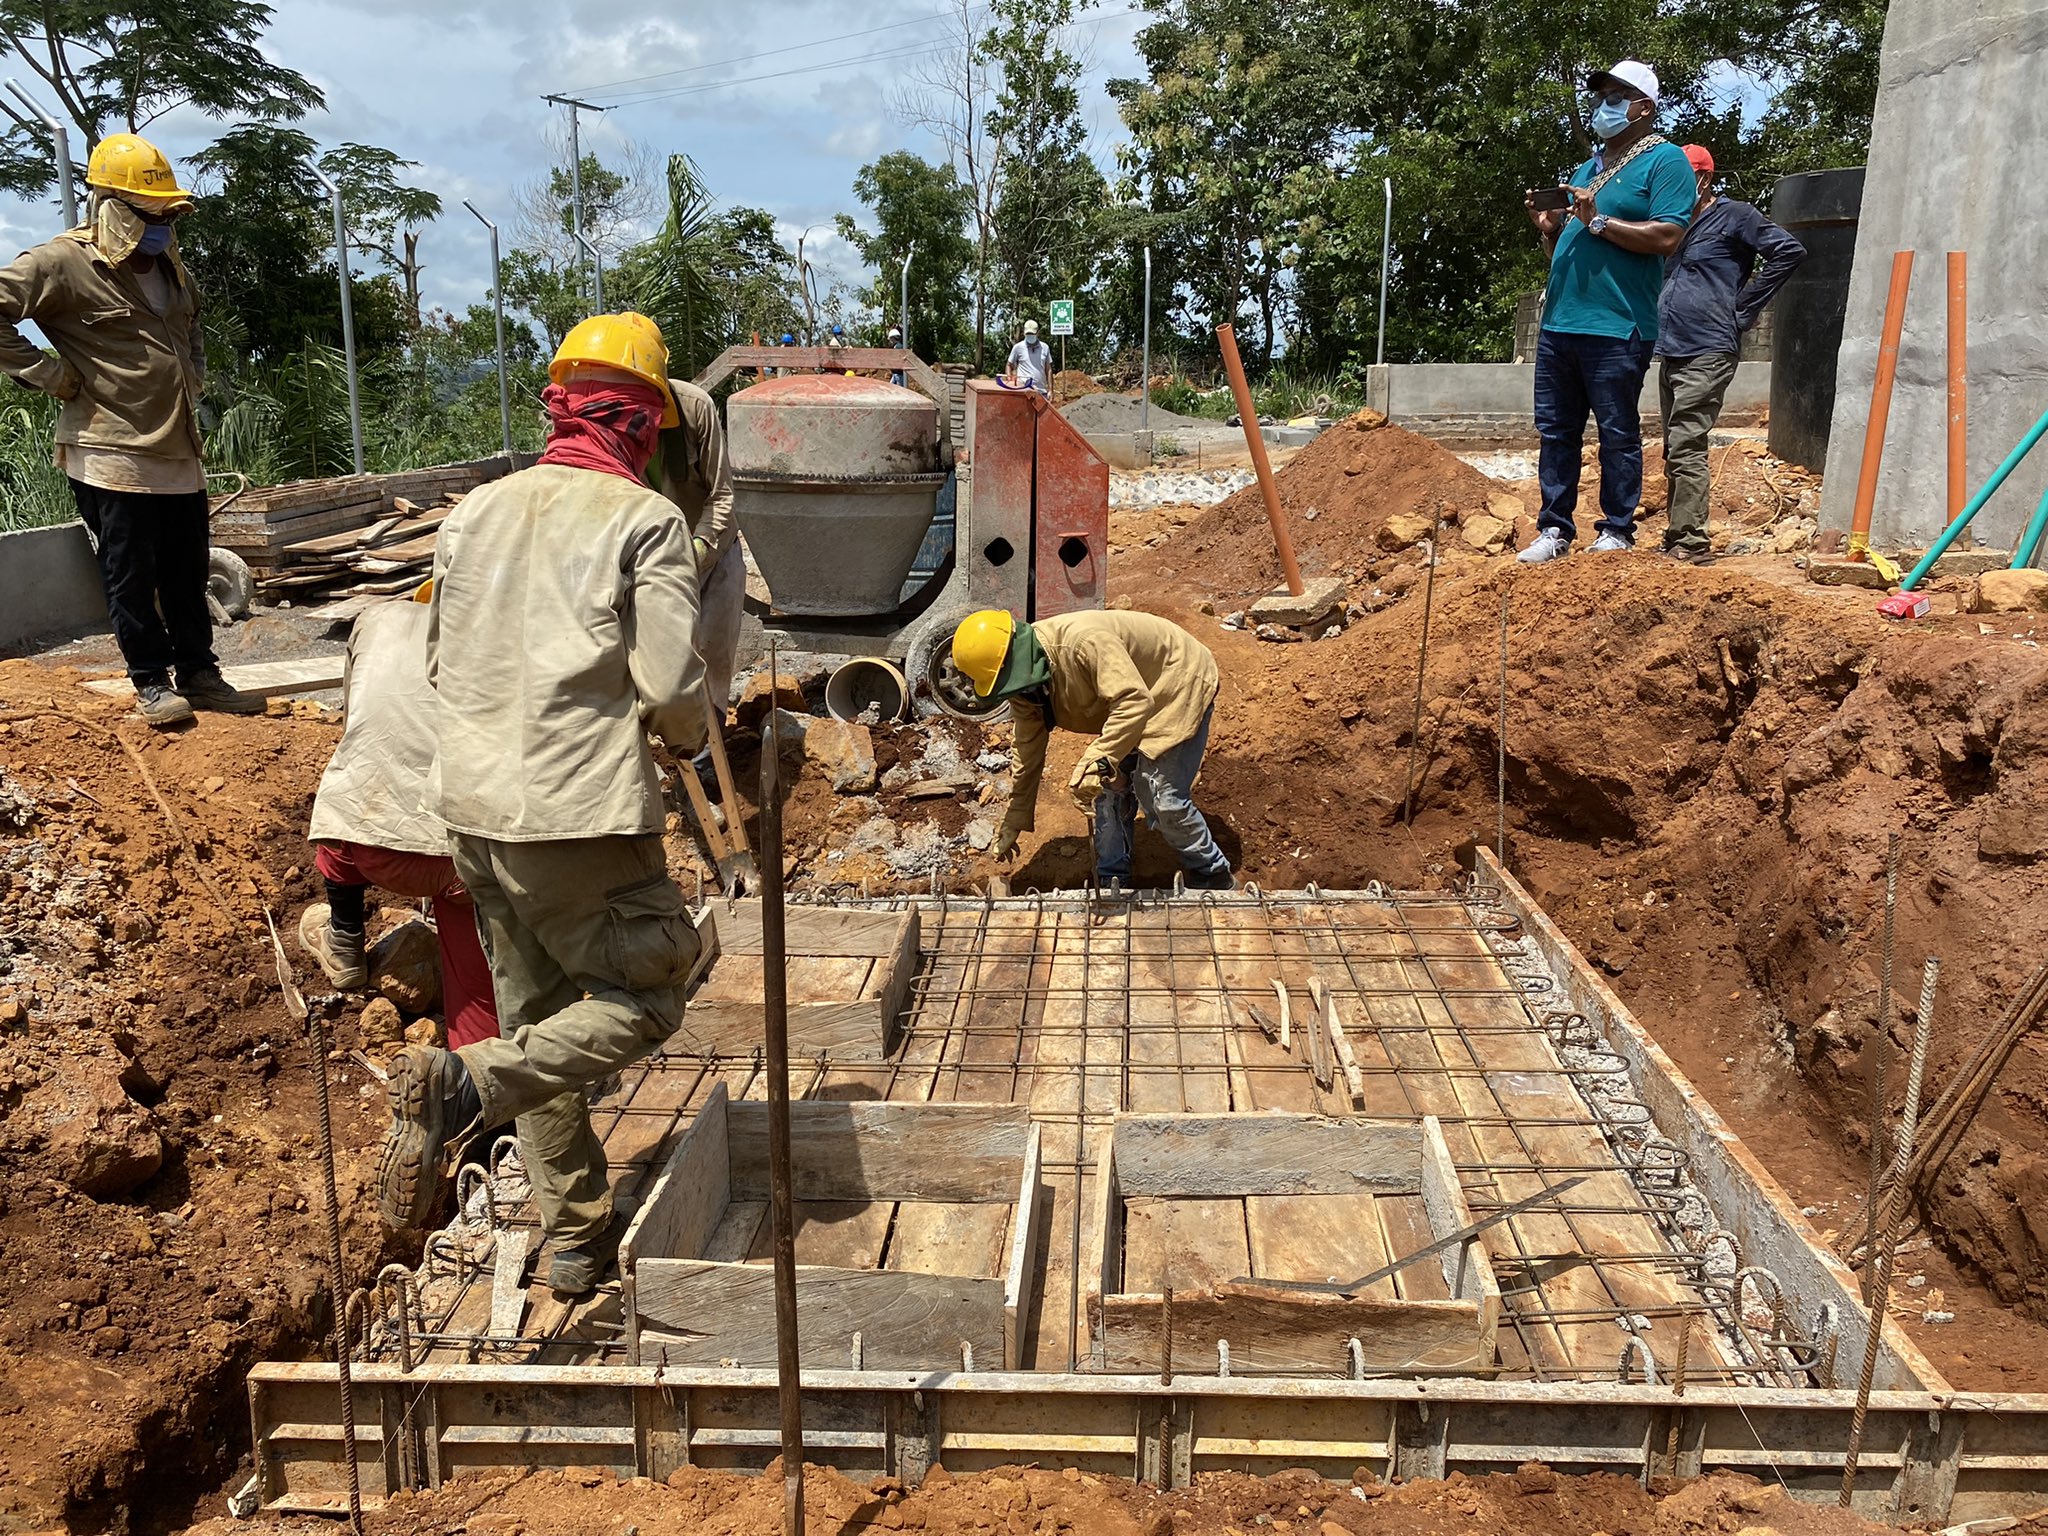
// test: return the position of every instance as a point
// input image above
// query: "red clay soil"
(1029, 1501)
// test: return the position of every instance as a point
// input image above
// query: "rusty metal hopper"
(835, 481)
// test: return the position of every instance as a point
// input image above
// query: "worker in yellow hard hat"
(561, 633)
(114, 300)
(1143, 687)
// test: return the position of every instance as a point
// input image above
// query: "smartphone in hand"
(1550, 199)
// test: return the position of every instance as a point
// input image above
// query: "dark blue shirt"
(1710, 297)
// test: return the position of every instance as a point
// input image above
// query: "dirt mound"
(1339, 492)
(1032, 1501)
(1072, 384)
(1106, 412)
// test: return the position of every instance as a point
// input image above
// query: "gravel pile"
(1119, 413)
(1175, 487)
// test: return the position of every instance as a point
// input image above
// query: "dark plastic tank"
(1820, 208)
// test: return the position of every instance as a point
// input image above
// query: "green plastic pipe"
(1948, 535)
(2023, 552)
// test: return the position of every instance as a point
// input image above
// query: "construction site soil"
(1702, 768)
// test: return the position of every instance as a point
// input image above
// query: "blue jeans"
(1165, 787)
(1603, 374)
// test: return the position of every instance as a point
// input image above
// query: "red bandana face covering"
(609, 427)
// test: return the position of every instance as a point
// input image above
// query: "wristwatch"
(1597, 224)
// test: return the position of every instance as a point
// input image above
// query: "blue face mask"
(156, 239)
(1609, 119)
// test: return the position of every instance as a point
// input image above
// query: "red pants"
(467, 1001)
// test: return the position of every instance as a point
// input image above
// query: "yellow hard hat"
(129, 163)
(628, 342)
(979, 646)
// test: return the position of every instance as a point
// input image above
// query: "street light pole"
(1386, 252)
(1145, 375)
(596, 256)
(576, 190)
(348, 318)
(906, 291)
(62, 137)
(498, 304)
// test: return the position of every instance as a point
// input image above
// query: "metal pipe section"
(1949, 534)
(906, 292)
(1145, 354)
(1247, 413)
(61, 138)
(348, 318)
(1880, 404)
(1386, 255)
(498, 304)
(597, 257)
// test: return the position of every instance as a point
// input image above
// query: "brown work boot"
(162, 708)
(339, 954)
(433, 1105)
(210, 691)
(576, 1271)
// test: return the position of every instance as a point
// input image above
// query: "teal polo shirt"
(1598, 289)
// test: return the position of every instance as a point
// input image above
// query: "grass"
(33, 492)
(1281, 394)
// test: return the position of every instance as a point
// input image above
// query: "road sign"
(1062, 317)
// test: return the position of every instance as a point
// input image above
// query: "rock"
(1792, 535)
(762, 692)
(791, 729)
(1829, 541)
(2008, 592)
(1400, 579)
(13, 1013)
(1365, 420)
(980, 834)
(405, 966)
(97, 1139)
(1404, 530)
(382, 1024)
(844, 753)
(1656, 493)
(1486, 533)
(1321, 595)
(1533, 1477)
(1506, 506)
(2015, 824)
(1969, 562)
(1277, 634)
(426, 1032)
(1845, 573)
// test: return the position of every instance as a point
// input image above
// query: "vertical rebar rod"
(316, 1039)
(1880, 1063)
(498, 305)
(1500, 812)
(775, 998)
(348, 319)
(1888, 1235)
(1436, 529)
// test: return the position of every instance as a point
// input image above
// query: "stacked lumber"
(313, 537)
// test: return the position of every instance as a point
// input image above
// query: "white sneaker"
(1612, 543)
(1548, 545)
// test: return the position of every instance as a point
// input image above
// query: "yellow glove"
(1006, 844)
(706, 552)
(1089, 781)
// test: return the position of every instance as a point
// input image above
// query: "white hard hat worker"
(895, 336)
(1030, 327)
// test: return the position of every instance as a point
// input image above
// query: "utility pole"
(498, 304)
(576, 187)
(348, 317)
(1145, 365)
(62, 144)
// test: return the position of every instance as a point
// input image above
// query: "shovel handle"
(701, 807)
(736, 826)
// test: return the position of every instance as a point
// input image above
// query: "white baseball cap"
(1030, 327)
(1633, 73)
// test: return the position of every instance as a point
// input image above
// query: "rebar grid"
(1156, 998)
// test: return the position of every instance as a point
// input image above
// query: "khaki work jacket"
(695, 473)
(563, 630)
(1139, 682)
(375, 788)
(140, 372)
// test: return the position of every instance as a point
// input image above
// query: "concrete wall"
(1497, 400)
(49, 584)
(1962, 104)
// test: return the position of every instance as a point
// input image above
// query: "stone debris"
(405, 967)
(1321, 595)
(1175, 487)
(382, 1024)
(980, 834)
(844, 752)
(993, 762)
(2008, 592)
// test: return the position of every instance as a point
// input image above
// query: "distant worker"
(1713, 292)
(1144, 687)
(1031, 360)
(690, 468)
(372, 824)
(1626, 210)
(114, 299)
(896, 375)
(564, 631)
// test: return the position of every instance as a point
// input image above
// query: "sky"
(457, 86)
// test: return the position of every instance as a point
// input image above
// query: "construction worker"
(691, 470)
(896, 375)
(1144, 687)
(114, 299)
(563, 631)
(1031, 360)
(372, 826)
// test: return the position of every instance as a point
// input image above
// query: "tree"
(618, 200)
(916, 203)
(384, 215)
(115, 66)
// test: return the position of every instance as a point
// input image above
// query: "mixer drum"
(835, 481)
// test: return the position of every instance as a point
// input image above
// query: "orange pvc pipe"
(1880, 403)
(1958, 382)
(1247, 413)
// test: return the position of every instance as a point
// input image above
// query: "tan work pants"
(589, 949)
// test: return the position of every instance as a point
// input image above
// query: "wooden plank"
(1286, 1332)
(700, 1314)
(734, 1236)
(836, 1234)
(689, 1195)
(1187, 1244)
(846, 1151)
(1407, 1229)
(1466, 1268)
(1317, 1237)
(1264, 1154)
(265, 679)
(826, 931)
(1023, 1255)
(948, 1237)
(375, 536)
(850, 1031)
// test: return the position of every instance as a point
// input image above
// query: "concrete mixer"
(836, 480)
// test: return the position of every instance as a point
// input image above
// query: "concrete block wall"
(1498, 400)
(1962, 107)
(49, 585)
